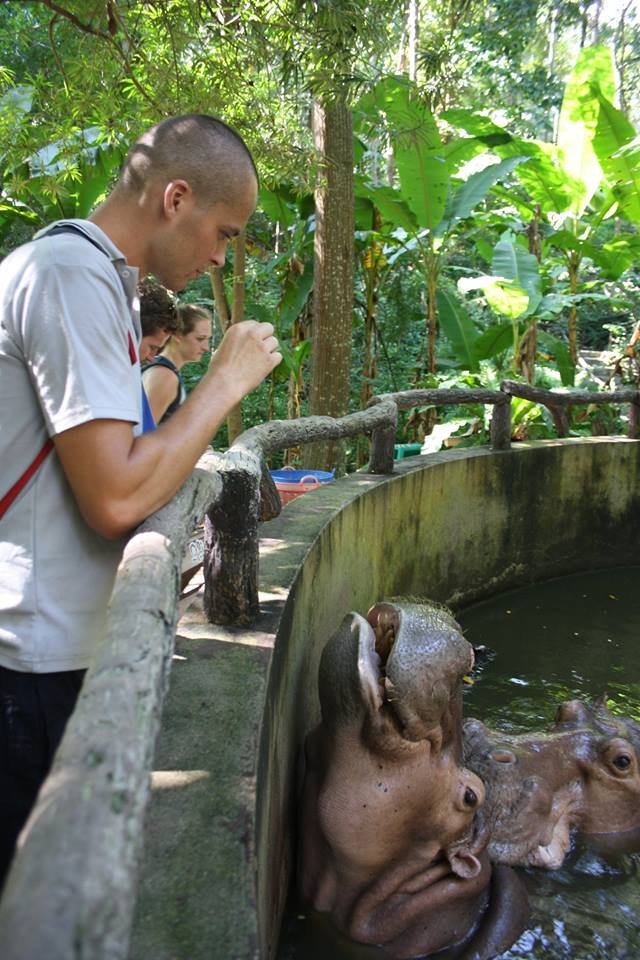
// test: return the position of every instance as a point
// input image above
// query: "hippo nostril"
(503, 756)
(470, 797)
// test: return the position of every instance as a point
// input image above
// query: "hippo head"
(608, 756)
(390, 810)
(397, 676)
(422, 658)
(582, 774)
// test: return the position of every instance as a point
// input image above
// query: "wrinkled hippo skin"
(392, 840)
(583, 774)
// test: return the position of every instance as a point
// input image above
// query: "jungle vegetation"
(450, 190)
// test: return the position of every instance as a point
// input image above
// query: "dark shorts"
(34, 709)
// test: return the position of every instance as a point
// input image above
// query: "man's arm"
(118, 479)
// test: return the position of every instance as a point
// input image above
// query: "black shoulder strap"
(163, 362)
(70, 228)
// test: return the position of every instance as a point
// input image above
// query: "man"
(158, 318)
(76, 474)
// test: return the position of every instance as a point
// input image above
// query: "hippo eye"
(470, 797)
(618, 755)
(623, 762)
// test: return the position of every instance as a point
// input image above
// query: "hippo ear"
(464, 864)
(600, 705)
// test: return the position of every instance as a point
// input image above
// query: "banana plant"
(591, 174)
(292, 269)
(61, 180)
(434, 194)
(513, 289)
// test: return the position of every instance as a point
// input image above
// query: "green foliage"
(512, 262)
(459, 329)
(618, 150)
(474, 190)
(444, 198)
(579, 118)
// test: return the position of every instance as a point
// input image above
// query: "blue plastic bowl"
(300, 476)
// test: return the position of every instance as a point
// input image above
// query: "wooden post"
(270, 503)
(634, 412)
(383, 441)
(231, 544)
(560, 419)
(501, 425)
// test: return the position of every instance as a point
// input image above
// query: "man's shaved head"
(212, 158)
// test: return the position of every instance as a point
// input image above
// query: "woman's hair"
(158, 309)
(188, 316)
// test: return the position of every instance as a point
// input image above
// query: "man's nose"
(218, 255)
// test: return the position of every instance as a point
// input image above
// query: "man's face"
(196, 236)
(152, 344)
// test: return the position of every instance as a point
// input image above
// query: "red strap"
(22, 481)
(133, 353)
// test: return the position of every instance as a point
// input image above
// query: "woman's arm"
(161, 386)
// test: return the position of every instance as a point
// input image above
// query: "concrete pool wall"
(454, 527)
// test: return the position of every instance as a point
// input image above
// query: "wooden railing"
(70, 892)
(71, 889)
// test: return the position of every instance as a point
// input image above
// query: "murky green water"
(575, 637)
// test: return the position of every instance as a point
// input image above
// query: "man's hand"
(118, 479)
(247, 354)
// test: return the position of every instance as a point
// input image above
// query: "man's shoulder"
(73, 243)
(59, 250)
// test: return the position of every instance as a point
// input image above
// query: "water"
(571, 638)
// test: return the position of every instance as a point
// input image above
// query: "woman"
(161, 378)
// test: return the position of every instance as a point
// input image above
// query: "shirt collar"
(128, 274)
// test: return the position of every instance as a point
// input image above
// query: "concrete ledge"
(455, 527)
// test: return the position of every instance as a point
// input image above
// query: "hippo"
(392, 838)
(583, 775)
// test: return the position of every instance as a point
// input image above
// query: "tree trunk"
(412, 30)
(553, 41)
(572, 326)
(619, 45)
(295, 386)
(235, 424)
(371, 268)
(333, 277)
(529, 344)
(431, 273)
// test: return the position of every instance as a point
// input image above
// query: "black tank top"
(162, 361)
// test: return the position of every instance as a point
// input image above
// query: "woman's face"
(194, 345)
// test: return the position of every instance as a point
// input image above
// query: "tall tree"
(333, 274)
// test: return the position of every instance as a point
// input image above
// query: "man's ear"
(177, 193)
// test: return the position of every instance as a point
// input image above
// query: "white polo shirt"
(67, 313)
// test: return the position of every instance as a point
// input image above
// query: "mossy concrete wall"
(453, 527)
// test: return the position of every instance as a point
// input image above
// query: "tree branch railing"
(71, 888)
(559, 402)
(383, 441)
